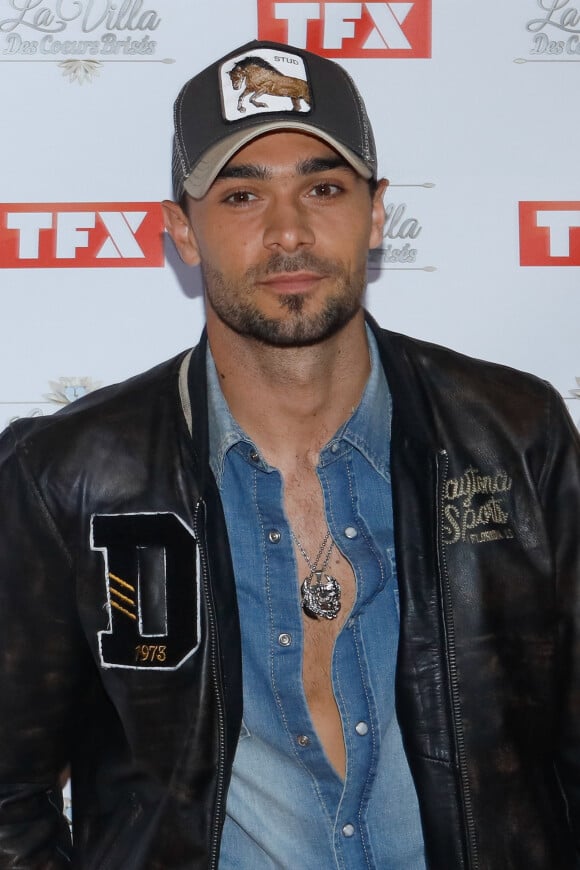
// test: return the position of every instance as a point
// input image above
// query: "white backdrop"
(486, 121)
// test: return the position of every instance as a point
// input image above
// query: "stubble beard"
(296, 327)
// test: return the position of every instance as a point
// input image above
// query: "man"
(306, 596)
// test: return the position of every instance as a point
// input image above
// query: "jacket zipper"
(219, 801)
(442, 463)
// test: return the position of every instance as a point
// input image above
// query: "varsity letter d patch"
(152, 576)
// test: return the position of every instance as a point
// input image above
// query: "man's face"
(282, 238)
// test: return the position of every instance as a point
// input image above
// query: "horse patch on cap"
(263, 81)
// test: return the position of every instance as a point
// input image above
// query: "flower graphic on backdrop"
(66, 390)
(576, 395)
(80, 71)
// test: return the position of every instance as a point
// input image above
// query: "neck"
(291, 400)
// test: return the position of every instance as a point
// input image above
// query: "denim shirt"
(287, 807)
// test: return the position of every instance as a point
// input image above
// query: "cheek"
(348, 237)
(214, 244)
(239, 247)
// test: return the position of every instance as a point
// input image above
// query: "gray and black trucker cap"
(258, 88)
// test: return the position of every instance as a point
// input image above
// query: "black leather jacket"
(120, 650)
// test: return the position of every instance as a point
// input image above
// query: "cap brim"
(215, 158)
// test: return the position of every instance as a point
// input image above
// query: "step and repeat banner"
(476, 120)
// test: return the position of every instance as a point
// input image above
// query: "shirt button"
(285, 639)
(303, 740)
(274, 536)
(255, 456)
(350, 532)
(348, 830)
(361, 728)
(334, 447)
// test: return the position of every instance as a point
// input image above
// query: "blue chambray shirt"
(287, 807)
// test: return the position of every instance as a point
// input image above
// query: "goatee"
(233, 303)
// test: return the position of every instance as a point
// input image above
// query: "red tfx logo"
(345, 29)
(80, 235)
(550, 233)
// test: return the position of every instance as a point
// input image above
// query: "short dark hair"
(373, 184)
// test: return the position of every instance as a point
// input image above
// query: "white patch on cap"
(276, 82)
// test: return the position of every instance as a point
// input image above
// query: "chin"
(301, 331)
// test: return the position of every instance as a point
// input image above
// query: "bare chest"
(315, 549)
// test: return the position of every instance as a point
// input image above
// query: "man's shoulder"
(114, 411)
(441, 394)
(438, 364)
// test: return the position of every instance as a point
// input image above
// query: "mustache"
(302, 262)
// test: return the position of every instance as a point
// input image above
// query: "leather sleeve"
(560, 493)
(40, 672)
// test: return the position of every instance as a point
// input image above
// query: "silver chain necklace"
(320, 591)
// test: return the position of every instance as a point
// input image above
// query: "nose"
(287, 225)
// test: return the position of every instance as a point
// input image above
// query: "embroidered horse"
(259, 77)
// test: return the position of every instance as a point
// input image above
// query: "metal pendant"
(321, 595)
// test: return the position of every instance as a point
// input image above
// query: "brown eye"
(325, 189)
(240, 197)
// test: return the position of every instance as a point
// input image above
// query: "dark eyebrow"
(262, 173)
(245, 170)
(321, 164)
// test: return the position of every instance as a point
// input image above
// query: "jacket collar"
(412, 412)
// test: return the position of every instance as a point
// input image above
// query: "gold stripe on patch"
(122, 582)
(122, 597)
(122, 609)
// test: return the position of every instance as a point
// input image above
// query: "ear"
(179, 228)
(378, 216)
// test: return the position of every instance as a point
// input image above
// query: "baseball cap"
(258, 88)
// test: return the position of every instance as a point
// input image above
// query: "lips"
(292, 282)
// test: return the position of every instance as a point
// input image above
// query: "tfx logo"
(345, 29)
(550, 233)
(80, 235)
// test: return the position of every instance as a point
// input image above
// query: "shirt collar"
(224, 432)
(367, 429)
